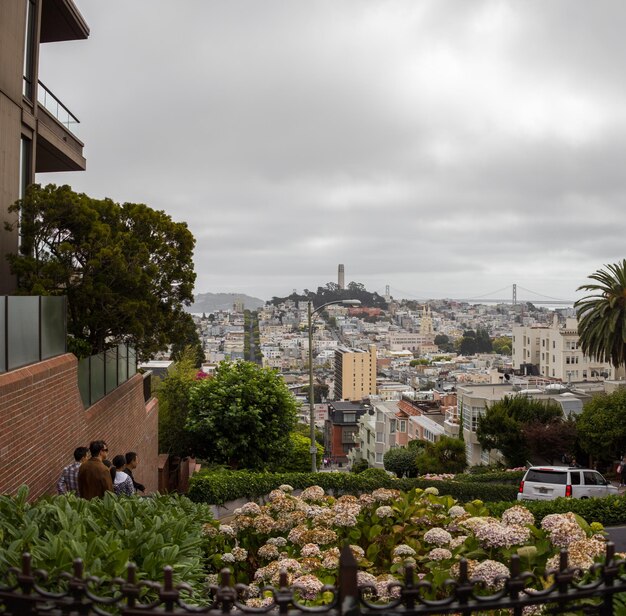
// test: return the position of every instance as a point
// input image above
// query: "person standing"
(622, 472)
(68, 481)
(122, 483)
(94, 478)
(132, 460)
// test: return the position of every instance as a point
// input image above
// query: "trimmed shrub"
(492, 477)
(609, 511)
(218, 488)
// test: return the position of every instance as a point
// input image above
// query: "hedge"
(610, 510)
(216, 488)
(513, 477)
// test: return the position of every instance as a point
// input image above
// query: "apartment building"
(341, 429)
(473, 400)
(554, 353)
(377, 433)
(355, 373)
(36, 127)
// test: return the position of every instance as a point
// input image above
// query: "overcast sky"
(443, 148)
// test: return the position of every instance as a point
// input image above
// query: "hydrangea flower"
(310, 549)
(439, 554)
(491, 572)
(456, 511)
(384, 511)
(312, 493)
(517, 515)
(308, 586)
(403, 550)
(437, 536)
(497, 535)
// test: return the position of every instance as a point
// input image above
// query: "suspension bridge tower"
(514, 294)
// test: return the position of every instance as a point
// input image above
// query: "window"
(380, 437)
(349, 417)
(379, 458)
(29, 50)
(402, 425)
(392, 426)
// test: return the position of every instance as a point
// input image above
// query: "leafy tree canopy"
(602, 426)
(331, 293)
(185, 337)
(243, 416)
(401, 461)
(503, 345)
(173, 394)
(446, 455)
(602, 315)
(501, 427)
(127, 270)
(298, 458)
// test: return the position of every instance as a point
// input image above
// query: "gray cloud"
(441, 147)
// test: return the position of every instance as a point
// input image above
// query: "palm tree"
(602, 315)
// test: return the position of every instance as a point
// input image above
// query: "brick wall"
(42, 421)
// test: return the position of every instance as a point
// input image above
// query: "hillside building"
(355, 373)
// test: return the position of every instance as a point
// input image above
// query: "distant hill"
(210, 302)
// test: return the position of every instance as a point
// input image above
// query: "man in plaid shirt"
(68, 482)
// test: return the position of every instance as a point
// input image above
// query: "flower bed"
(386, 531)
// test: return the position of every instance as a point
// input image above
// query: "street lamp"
(311, 312)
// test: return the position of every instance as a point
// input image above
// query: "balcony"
(58, 149)
(62, 21)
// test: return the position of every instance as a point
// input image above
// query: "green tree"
(359, 466)
(298, 458)
(501, 427)
(185, 337)
(602, 426)
(173, 394)
(550, 440)
(305, 430)
(401, 461)
(446, 455)
(444, 343)
(602, 315)
(502, 345)
(127, 270)
(243, 416)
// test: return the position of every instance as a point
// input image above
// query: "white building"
(555, 352)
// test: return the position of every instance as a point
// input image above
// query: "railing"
(24, 591)
(32, 328)
(100, 374)
(46, 98)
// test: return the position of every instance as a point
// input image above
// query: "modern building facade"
(554, 353)
(341, 429)
(355, 373)
(36, 127)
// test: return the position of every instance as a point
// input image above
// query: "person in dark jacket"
(94, 478)
(131, 464)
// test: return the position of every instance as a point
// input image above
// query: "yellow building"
(355, 373)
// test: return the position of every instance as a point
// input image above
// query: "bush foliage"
(218, 488)
(105, 533)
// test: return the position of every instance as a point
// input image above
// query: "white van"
(550, 482)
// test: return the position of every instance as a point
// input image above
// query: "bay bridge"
(495, 297)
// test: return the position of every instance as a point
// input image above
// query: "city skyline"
(436, 147)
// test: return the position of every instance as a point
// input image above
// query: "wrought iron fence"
(599, 590)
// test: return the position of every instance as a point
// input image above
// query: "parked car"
(550, 482)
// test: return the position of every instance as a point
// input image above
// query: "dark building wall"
(25, 125)
(42, 421)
